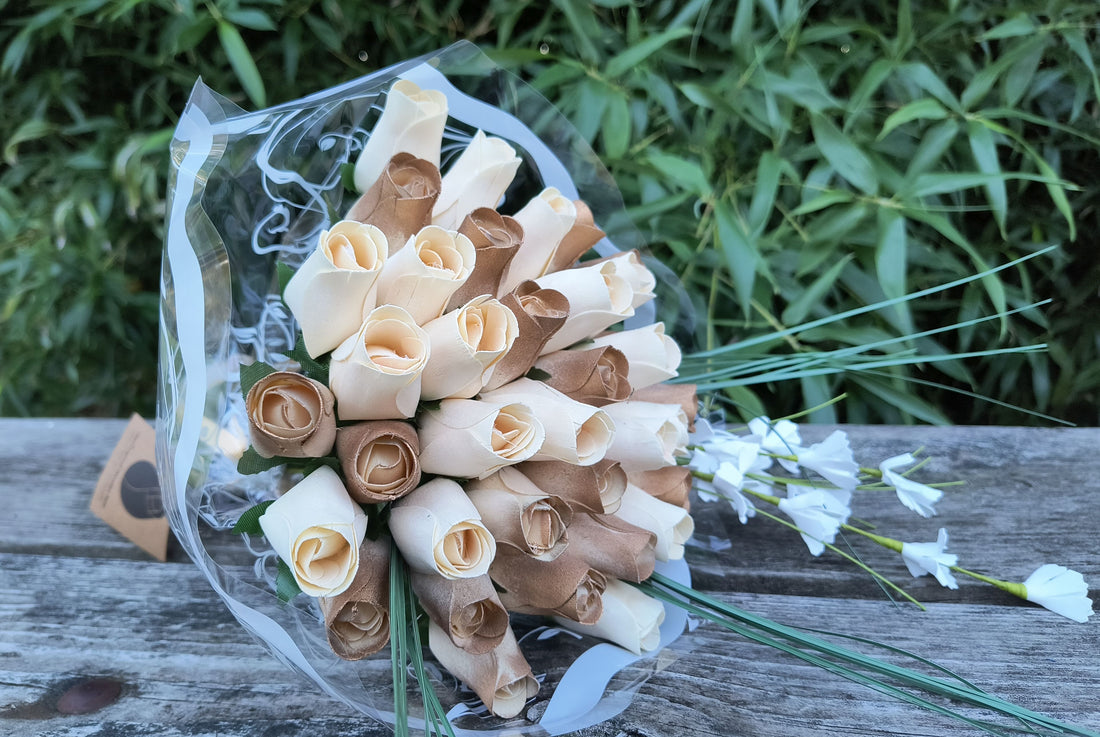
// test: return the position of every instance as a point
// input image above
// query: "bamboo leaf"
(984, 148)
(243, 64)
(616, 125)
(739, 252)
(1018, 25)
(926, 108)
(891, 262)
(843, 155)
(626, 60)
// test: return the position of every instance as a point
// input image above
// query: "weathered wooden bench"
(80, 602)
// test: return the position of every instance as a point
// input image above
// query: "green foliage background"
(789, 159)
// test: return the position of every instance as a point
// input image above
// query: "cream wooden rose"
(316, 529)
(630, 619)
(412, 121)
(375, 374)
(422, 276)
(545, 221)
(470, 438)
(477, 178)
(439, 530)
(576, 433)
(599, 297)
(671, 524)
(335, 286)
(466, 344)
(648, 435)
(651, 355)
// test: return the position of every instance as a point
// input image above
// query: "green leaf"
(797, 310)
(241, 61)
(283, 272)
(286, 586)
(252, 373)
(29, 130)
(1019, 25)
(251, 462)
(616, 126)
(249, 522)
(903, 401)
(844, 155)
(934, 144)
(891, 262)
(739, 252)
(311, 367)
(763, 196)
(869, 83)
(687, 174)
(635, 55)
(823, 200)
(924, 78)
(592, 99)
(926, 108)
(984, 149)
(257, 20)
(1075, 39)
(1020, 74)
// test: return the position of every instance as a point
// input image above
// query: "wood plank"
(184, 661)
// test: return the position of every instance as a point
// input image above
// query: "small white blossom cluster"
(816, 494)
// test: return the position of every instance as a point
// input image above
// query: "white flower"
(922, 558)
(818, 516)
(832, 458)
(779, 437)
(917, 497)
(729, 479)
(1060, 590)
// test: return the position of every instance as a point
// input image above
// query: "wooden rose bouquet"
(414, 398)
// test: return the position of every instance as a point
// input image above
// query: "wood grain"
(77, 600)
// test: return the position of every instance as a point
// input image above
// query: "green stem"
(886, 542)
(1016, 589)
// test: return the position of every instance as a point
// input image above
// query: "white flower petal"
(915, 496)
(818, 515)
(1061, 590)
(832, 459)
(925, 558)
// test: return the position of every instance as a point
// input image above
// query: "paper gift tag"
(127, 495)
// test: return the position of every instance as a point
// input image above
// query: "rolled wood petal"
(400, 202)
(681, 394)
(501, 678)
(648, 435)
(469, 438)
(358, 620)
(598, 298)
(520, 514)
(568, 585)
(291, 415)
(496, 239)
(439, 531)
(596, 489)
(466, 344)
(477, 178)
(380, 459)
(539, 314)
(411, 121)
(467, 609)
(546, 218)
(671, 524)
(614, 546)
(652, 356)
(630, 619)
(579, 240)
(671, 484)
(595, 376)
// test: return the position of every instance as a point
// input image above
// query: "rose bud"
(380, 459)
(579, 240)
(477, 178)
(400, 202)
(358, 620)
(466, 344)
(596, 489)
(652, 356)
(496, 239)
(575, 432)
(546, 218)
(316, 529)
(467, 609)
(595, 376)
(630, 619)
(539, 314)
(642, 281)
(613, 546)
(290, 415)
(520, 514)
(647, 435)
(439, 531)
(468, 438)
(670, 484)
(422, 276)
(567, 586)
(335, 286)
(411, 121)
(375, 374)
(598, 298)
(684, 395)
(501, 678)
(671, 524)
